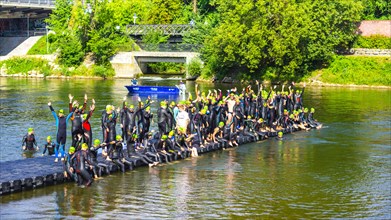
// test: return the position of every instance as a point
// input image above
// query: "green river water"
(340, 171)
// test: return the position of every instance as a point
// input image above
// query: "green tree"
(278, 39)
(376, 9)
(71, 50)
(60, 16)
(104, 37)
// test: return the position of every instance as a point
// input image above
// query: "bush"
(373, 42)
(103, 71)
(194, 68)
(358, 71)
(19, 65)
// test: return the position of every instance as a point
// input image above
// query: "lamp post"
(134, 19)
(28, 25)
(47, 40)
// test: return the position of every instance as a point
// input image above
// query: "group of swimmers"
(184, 128)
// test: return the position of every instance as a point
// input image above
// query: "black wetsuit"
(77, 123)
(162, 117)
(116, 155)
(29, 140)
(49, 147)
(67, 165)
(110, 123)
(78, 162)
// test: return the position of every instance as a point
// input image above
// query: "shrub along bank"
(374, 71)
(32, 65)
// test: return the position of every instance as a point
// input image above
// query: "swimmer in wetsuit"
(61, 124)
(29, 141)
(78, 164)
(49, 146)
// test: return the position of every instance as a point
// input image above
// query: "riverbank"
(344, 71)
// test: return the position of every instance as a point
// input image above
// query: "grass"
(358, 70)
(39, 48)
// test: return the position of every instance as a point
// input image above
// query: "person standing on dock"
(61, 124)
(77, 119)
(29, 141)
(87, 132)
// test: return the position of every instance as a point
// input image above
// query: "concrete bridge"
(132, 64)
(23, 8)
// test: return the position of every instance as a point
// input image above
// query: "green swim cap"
(164, 137)
(291, 116)
(172, 103)
(126, 103)
(305, 110)
(163, 103)
(84, 146)
(30, 130)
(49, 138)
(221, 124)
(280, 134)
(72, 150)
(312, 110)
(260, 120)
(85, 116)
(131, 107)
(135, 136)
(203, 111)
(108, 108)
(61, 111)
(118, 137)
(96, 142)
(148, 108)
(171, 133)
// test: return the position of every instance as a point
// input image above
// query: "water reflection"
(340, 171)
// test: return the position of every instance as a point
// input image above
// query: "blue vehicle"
(153, 89)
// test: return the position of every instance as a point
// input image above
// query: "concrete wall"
(371, 52)
(368, 28)
(132, 64)
(125, 65)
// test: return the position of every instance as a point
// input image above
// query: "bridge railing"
(50, 3)
(23, 33)
(170, 47)
(166, 29)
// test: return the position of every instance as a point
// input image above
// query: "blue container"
(153, 89)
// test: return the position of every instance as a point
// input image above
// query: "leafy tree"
(164, 11)
(60, 16)
(377, 9)
(71, 50)
(278, 39)
(104, 37)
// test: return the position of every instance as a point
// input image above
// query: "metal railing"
(171, 47)
(43, 3)
(23, 33)
(165, 29)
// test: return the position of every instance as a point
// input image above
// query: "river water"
(340, 171)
